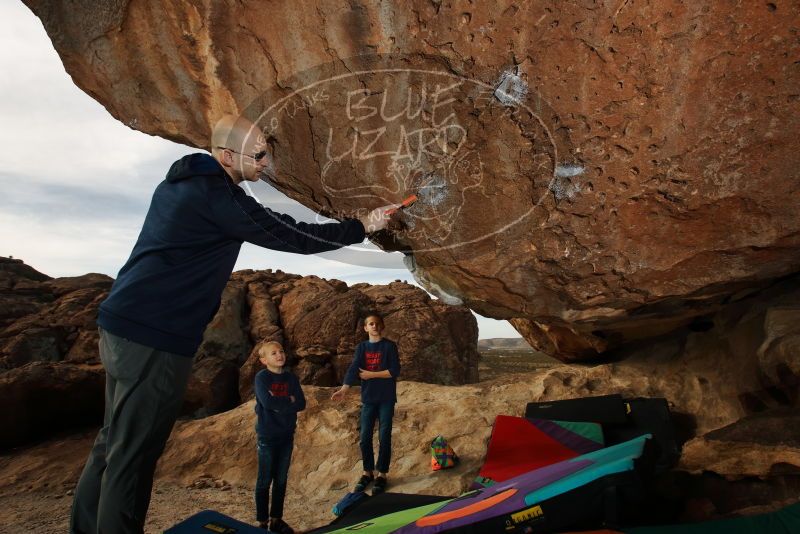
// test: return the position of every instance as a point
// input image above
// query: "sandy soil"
(48, 511)
(498, 362)
(31, 502)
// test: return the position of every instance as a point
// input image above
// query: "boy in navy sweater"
(278, 399)
(377, 364)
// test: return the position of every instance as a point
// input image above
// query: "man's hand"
(338, 395)
(377, 219)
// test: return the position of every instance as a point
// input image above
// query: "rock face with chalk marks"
(597, 172)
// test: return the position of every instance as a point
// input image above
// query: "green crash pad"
(391, 522)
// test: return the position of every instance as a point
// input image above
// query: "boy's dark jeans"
(274, 458)
(144, 394)
(383, 412)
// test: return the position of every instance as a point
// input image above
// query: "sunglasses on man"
(258, 156)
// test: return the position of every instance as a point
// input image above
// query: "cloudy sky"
(76, 183)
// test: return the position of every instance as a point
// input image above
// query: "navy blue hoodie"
(170, 287)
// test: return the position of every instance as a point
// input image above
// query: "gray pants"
(144, 393)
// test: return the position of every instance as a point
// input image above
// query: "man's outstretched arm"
(243, 218)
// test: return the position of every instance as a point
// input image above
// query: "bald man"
(161, 302)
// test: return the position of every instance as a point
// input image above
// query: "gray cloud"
(59, 203)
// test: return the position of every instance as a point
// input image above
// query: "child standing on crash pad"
(278, 399)
(377, 364)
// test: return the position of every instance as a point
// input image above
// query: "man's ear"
(226, 158)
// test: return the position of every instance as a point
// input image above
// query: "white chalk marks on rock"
(387, 127)
(565, 184)
(567, 170)
(511, 89)
(448, 297)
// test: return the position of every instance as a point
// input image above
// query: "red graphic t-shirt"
(279, 389)
(373, 360)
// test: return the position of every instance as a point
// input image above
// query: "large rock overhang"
(596, 174)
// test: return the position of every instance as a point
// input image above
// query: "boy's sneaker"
(379, 487)
(363, 482)
(279, 526)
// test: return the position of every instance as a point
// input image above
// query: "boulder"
(779, 354)
(320, 374)
(35, 344)
(265, 320)
(762, 445)
(247, 376)
(68, 284)
(226, 337)
(44, 398)
(21, 290)
(317, 320)
(600, 173)
(319, 323)
(212, 388)
(56, 321)
(437, 342)
(85, 348)
(322, 318)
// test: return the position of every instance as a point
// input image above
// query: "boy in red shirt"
(377, 364)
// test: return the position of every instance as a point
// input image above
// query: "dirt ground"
(498, 362)
(34, 500)
(31, 502)
(48, 511)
